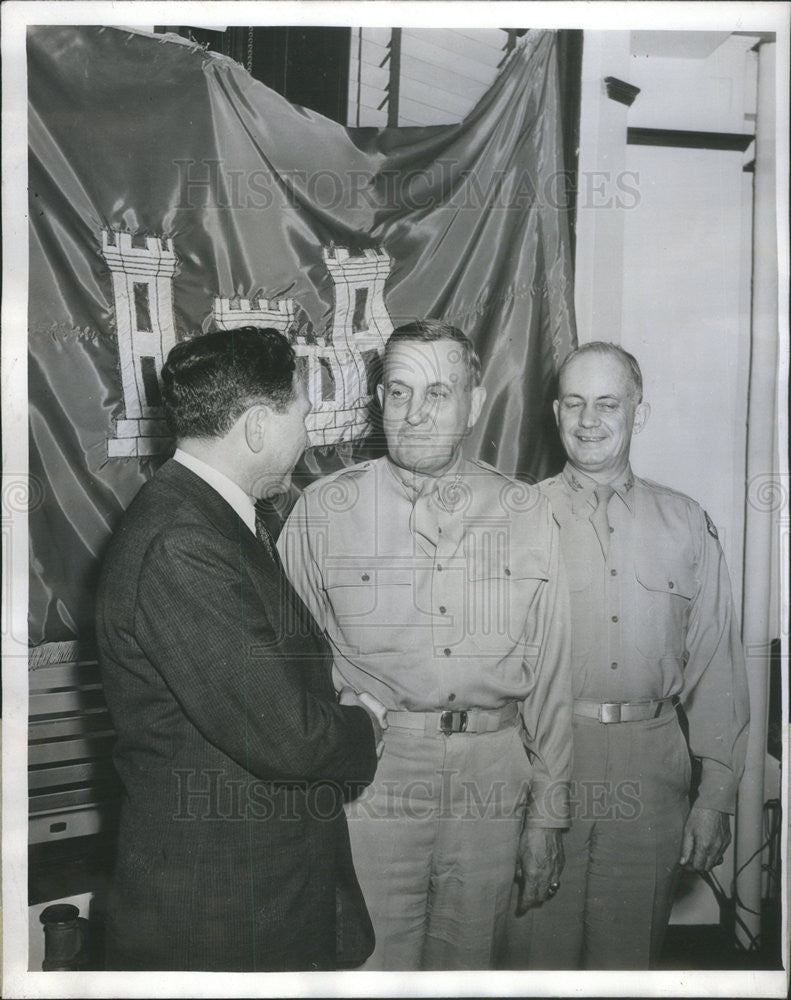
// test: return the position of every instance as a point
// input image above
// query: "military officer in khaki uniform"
(438, 581)
(652, 625)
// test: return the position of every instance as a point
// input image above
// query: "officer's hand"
(377, 713)
(538, 866)
(706, 835)
(380, 712)
(374, 705)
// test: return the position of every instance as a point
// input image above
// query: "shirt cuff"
(548, 805)
(717, 788)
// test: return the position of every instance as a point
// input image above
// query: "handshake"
(377, 713)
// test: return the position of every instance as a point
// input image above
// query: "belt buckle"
(610, 712)
(446, 722)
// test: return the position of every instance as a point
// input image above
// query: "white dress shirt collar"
(234, 495)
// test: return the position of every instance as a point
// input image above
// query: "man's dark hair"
(602, 347)
(208, 382)
(426, 330)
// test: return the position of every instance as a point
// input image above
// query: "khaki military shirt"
(442, 594)
(655, 618)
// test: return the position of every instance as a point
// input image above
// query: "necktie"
(599, 519)
(423, 524)
(262, 534)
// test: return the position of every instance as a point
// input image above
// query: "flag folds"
(171, 193)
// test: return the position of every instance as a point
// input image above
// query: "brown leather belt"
(471, 720)
(610, 712)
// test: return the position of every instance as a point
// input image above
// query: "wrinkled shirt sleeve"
(715, 696)
(294, 546)
(547, 709)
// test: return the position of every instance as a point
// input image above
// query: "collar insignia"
(575, 483)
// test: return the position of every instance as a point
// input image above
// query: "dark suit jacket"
(233, 850)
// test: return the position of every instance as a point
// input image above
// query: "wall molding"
(736, 142)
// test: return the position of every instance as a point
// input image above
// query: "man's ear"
(556, 410)
(380, 395)
(641, 414)
(255, 426)
(476, 404)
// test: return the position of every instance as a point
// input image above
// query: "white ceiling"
(677, 44)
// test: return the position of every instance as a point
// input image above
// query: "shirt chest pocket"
(500, 606)
(663, 595)
(369, 602)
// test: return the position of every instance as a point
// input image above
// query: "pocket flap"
(525, 565)
(668, 579)
(357, 576)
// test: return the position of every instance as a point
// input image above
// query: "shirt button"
(439, 569)
(613, 572)
(442, 609)
(451, 697)
(611, 529)
(615, 618)
(671, 584)
(439, 530)
(507, 571)
(446, 651)
(613, 666)
(365, 576)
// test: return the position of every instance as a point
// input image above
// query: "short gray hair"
(602, 347)
(427, 330)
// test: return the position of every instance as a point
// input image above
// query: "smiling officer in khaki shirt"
(652, 623)
(439, 586)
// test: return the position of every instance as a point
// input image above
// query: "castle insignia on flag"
(342, 367)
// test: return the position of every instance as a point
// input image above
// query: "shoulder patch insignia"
(710, 526)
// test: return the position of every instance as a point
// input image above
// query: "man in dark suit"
(232, 749)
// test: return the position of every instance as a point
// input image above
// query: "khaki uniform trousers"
(434, 844)
(629, 804)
